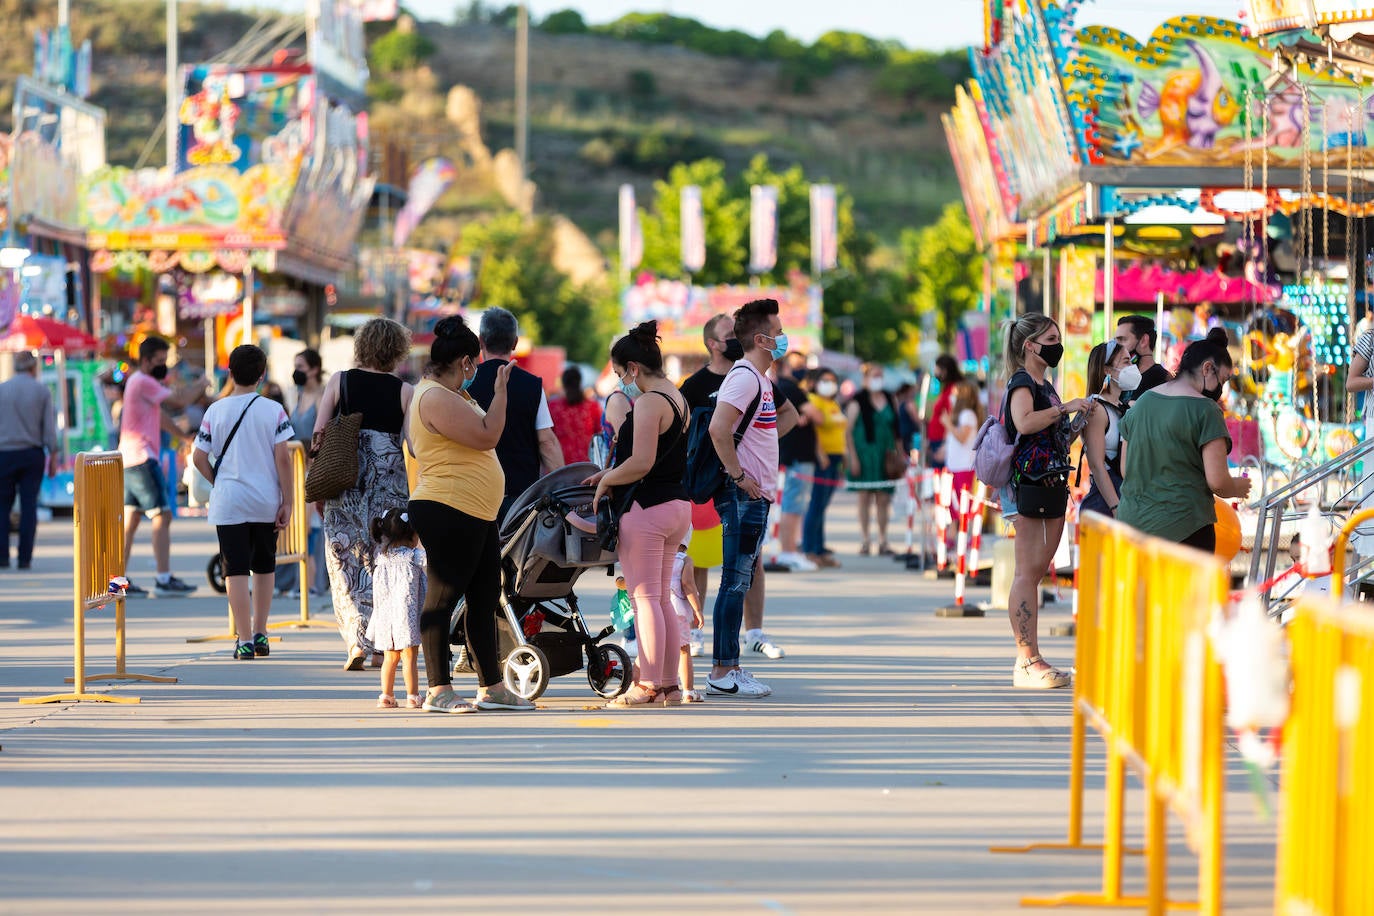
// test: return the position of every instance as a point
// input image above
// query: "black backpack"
(705, 475)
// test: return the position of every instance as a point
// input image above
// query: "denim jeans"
(744, 523)
(21, 471)
(813, 527)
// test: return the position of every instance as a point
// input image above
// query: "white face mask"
(874, 384)
(1128, 378)
(827, 388)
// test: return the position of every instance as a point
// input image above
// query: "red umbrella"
(28, 332)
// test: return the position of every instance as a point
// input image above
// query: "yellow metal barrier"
(97, 556)
(1338, 556)
(292, 547)
(1148, 682)
(1326, 841)
(293, 544)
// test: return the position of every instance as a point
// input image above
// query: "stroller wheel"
(525, 672)
(214, 573)
(609, 670)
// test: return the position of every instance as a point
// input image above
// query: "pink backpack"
(993, 450)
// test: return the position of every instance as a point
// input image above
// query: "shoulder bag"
(335, 465)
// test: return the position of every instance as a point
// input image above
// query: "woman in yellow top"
(830, 452)
(454, 510)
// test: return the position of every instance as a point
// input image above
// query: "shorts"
(707, 550)
(1007, 496)
(145, 488)
(796, 487)
(249, 547)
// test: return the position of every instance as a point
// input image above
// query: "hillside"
(604, 110)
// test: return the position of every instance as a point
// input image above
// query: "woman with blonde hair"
(1036, 499)
(373, 389)
(965, 417)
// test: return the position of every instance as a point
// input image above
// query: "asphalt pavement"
(892, 753)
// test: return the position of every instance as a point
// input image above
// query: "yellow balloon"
(1227, 530)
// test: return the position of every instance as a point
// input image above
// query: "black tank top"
(377, 396)
(663, 483)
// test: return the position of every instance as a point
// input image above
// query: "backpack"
(705, 475)
(993, 450)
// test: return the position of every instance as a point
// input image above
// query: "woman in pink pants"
(645, 485)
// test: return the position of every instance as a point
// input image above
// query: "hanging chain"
(1351, 263)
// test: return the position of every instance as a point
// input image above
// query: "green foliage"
(384, 91)
(642, 89)
(650, 152)
(944, 269)
(923, 76)
(398, 51)
(564, 22)
(517, 273)
(727, 224)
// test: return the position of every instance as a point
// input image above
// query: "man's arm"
(550, 452)
(49, 434)
(788, 418)
(722, 429)
(169, 424)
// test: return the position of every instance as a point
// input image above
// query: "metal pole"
(1109, 276)
(1159, 327)
(64, 13)
(1046, 290)
(522, 98)
(173, 90)
(249, 303)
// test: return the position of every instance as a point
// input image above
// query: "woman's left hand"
(595, 478)
(602, 489)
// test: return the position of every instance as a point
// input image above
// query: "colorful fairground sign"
(1268, 17)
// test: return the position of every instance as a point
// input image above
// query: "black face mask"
(158, 372)
(299, 378)
(798, 375)
(1052, 354)
(1214, 393)
(734, 350)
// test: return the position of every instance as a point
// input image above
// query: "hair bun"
(646, 330)
(1218, 337)
(450, 328)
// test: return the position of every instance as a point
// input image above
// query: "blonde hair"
(1016, 333)
(966, 397)
(381, 344)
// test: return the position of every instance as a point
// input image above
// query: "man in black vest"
(528, 443)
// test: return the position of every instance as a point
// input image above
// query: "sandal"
(865, 549)
(669, 696)
(354, 663)
(637, 697)
(386, 701)
(694, 696)
(415, 701)
(446, 701)
(504, 700)
(1024, 676)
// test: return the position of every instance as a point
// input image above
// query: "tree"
(727, 225)
(517, 273)
(944, 269)
(564, 22)
(399, 50)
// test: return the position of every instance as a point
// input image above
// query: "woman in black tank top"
(645, 485)
(379, 346)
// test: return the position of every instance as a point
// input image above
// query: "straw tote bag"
(335, 466)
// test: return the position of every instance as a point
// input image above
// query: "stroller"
(540, 631)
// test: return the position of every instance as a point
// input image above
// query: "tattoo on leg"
(1025, 632)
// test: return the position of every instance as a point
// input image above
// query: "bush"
(564, 22)
(379, 90)
(397, 51)
(642, 88)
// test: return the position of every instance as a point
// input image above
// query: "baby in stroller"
(548, 540)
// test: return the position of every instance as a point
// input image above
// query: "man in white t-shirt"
(242, 449)
(752, 467)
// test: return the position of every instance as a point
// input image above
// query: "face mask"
(158, 372)
(1052, 354)
(779, 345)
(827, 389)
(1214, 393)
(299, 378)
(1128, 378)
(798, 375)
(467, 382)
(734, 350)
(874, 385)
(631, 389)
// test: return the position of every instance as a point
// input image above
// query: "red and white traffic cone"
(774, 522)
(958, 608)
(980, 504)
(943, 506)
(910, 510)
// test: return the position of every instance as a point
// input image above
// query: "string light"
(1324, 310)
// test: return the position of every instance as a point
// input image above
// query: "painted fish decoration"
(1193, 106)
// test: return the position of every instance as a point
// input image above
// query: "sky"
(960, 22)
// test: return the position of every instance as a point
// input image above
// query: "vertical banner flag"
(631, 234)
(693, 229)
(427, 185)
(825, 229)
(763, 229)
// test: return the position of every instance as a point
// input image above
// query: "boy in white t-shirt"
(242, 449)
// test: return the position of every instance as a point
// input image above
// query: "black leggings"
(1205, 539)
(463, 559)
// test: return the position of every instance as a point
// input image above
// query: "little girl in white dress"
(398, 592)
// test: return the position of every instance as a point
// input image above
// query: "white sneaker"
(796, 562)
(696, 643)
(759, 643)
(738, 683)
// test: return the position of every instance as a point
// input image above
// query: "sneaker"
(696, 643)
(134, 591)
(738, 683)
(796, 562)
(173, 586)
(760, 643)
(261, 647)
(243, 652)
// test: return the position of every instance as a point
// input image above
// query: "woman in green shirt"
(1174, 448)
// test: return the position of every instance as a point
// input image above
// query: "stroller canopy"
(566, 477)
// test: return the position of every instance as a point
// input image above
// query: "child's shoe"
(261, 647)
(415, 701)
(693, 696)
(386, 701)
(243, 652)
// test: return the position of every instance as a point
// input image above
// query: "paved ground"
(891, 755)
